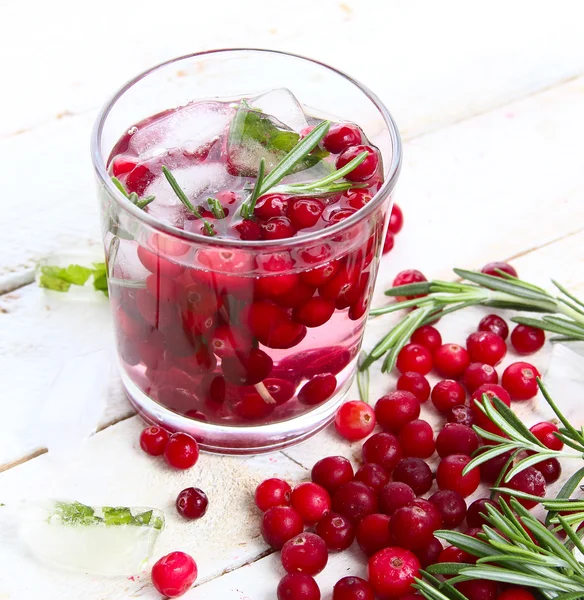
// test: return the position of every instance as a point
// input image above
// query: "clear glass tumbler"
(164, 280)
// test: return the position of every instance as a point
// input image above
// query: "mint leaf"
(75, 513)
(53, 283)
(254, 135)
(100, 278)
(119, 515)
(61, 278)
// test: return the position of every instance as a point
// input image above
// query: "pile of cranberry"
(381, 505)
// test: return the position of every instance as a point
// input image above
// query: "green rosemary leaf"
(577, 436)
(386, 343)
(411, 289)
(526, 305)
(574, 538)
(120, 186)
(448, 568)
(332, 177)
(248, 207)
(528, 462)
(442, 587)
(509, 287)
(561, 321)
(465, 542)
(567, 490)
(563, 435)
(486, 455)
(216, 208)
(514, 421)
(504, 470)
(541, 324)
(575, 307)
(333, 188)
(430, 592)
(363, 379)
(565, 338)
(520, 578)
(567, 293)
(297, 154)
(395, 307)
(180, 193)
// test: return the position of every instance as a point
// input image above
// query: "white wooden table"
(489, 100)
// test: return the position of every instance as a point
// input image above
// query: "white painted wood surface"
(492, 170)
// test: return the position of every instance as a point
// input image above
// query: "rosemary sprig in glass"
(132, 196)
(565, 312)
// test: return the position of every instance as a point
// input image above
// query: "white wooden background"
(489, 98)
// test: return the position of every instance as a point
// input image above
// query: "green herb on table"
(186, 202)
(563, 312)
(75, 513)
(60, 279)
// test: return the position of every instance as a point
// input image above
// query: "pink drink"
(259, 322)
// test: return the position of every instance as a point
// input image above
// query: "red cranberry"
(516, 593)
(248, 230)
(414, 357)
(454, 554)
(396, 220)
(530, 481)
(320, 388)
(271, 205)
(331, 472)
(174, 574)
(492, 390)
(311, 501)
(122, 164)
(492, 268)
(486, 347)
(372, 475)
(451, 360)
(491, 469)
(519, 379)
(277, 228)
(355, 420)
(275, 286)
(396, 409)
(447, 394)
(414, 472)
(427, 336)
(298, 586)
(456, 439)
(305, 212)
(461, 414)
(340, 136)
(412, 527)
(478, 374)
(394, 495)
(406, 278)
(320, 275)
(353, 588)
(428, 555)
(373, 533)
(161, 267)
(382, 449)
(139, 179)
(153, 440)
(527, 340)
(280, 524)
(272, 326)
(305, 553)
(182, 451)
(449, 475)
(494, 324)
(315, 312)
(358, 198)
(251, 407)
(247, 370)
(340, 214)
(414, 383)
(192, 503)
(388, 243)
(337, 531)
(475, 512)
(226, 341)
(478, 589)
(272, 492)
(392, 571)
(451, 506)
(354, 500)
(417, 439)
(366, 169)
(544, 432)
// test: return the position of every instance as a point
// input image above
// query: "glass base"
(253, 439)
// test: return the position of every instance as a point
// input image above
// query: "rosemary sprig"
(248, 207)
(506, 553)
(185, 200)
(216, 208)
(565, 311)
(517, 437)
(141, 203)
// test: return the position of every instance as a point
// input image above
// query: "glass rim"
(99, 164)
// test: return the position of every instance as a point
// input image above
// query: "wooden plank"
(432, 64)
(112, 470)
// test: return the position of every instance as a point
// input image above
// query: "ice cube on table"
(191, 128)
(283, 105)
(109, 541)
